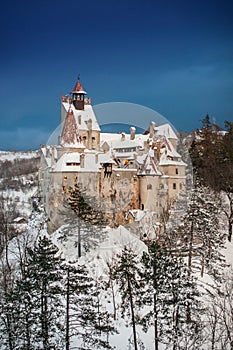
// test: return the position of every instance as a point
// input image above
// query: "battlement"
(68, 99)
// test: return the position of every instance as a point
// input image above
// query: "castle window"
(176, 171)
(174, 186)
(107, 169)
(72, 164)
(149, 187)
(180, 186)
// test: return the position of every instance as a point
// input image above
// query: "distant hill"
(119, 127)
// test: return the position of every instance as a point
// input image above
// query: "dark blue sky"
(173, 56)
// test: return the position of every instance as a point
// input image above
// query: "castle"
(126, 172)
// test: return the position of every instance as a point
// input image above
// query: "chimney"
(89, 124)
(152, 127)
(132, 133)
(82, 156)
(157, 151)
(96, 157)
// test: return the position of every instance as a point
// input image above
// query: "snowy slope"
(18, 178)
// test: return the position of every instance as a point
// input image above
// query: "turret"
(78, 94)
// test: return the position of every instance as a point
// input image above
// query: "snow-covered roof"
(105, 158)
(124, 155)
(164, 160)
(149, 167)
(166, 130)
(137, 214)
(71, 162)
(116, 141)
(82, 117)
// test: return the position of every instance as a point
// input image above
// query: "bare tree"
(220, 314)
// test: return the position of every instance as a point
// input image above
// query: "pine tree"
(153, 273)
(168, 290)
(9, 307)
(212, 158)
(40, 292)
(183, 324)
(127, 275)
(226, 173)
(201, 228)
(88, 221)
(85, 317)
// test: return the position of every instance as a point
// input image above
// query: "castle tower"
(78, 94)
(78, 115)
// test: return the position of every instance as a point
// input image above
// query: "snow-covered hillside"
(18, 179)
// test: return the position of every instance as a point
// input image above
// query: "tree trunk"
(176, 321)
(9, 331)
(46, 323)
(113, 300)
(230, 223)
(28, 338)
(190, 255)
(190, 251)
(230, 216)
(156, 323)
(202, 266)
(68, 311)
(79, 238)
(132, 314)
(44, 317)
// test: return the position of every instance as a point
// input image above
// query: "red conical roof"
(78, 89)
(70, 133)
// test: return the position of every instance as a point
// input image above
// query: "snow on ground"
(10, 156)
(116, 240)
(22, 200)
(229, 253)
(96, 262)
